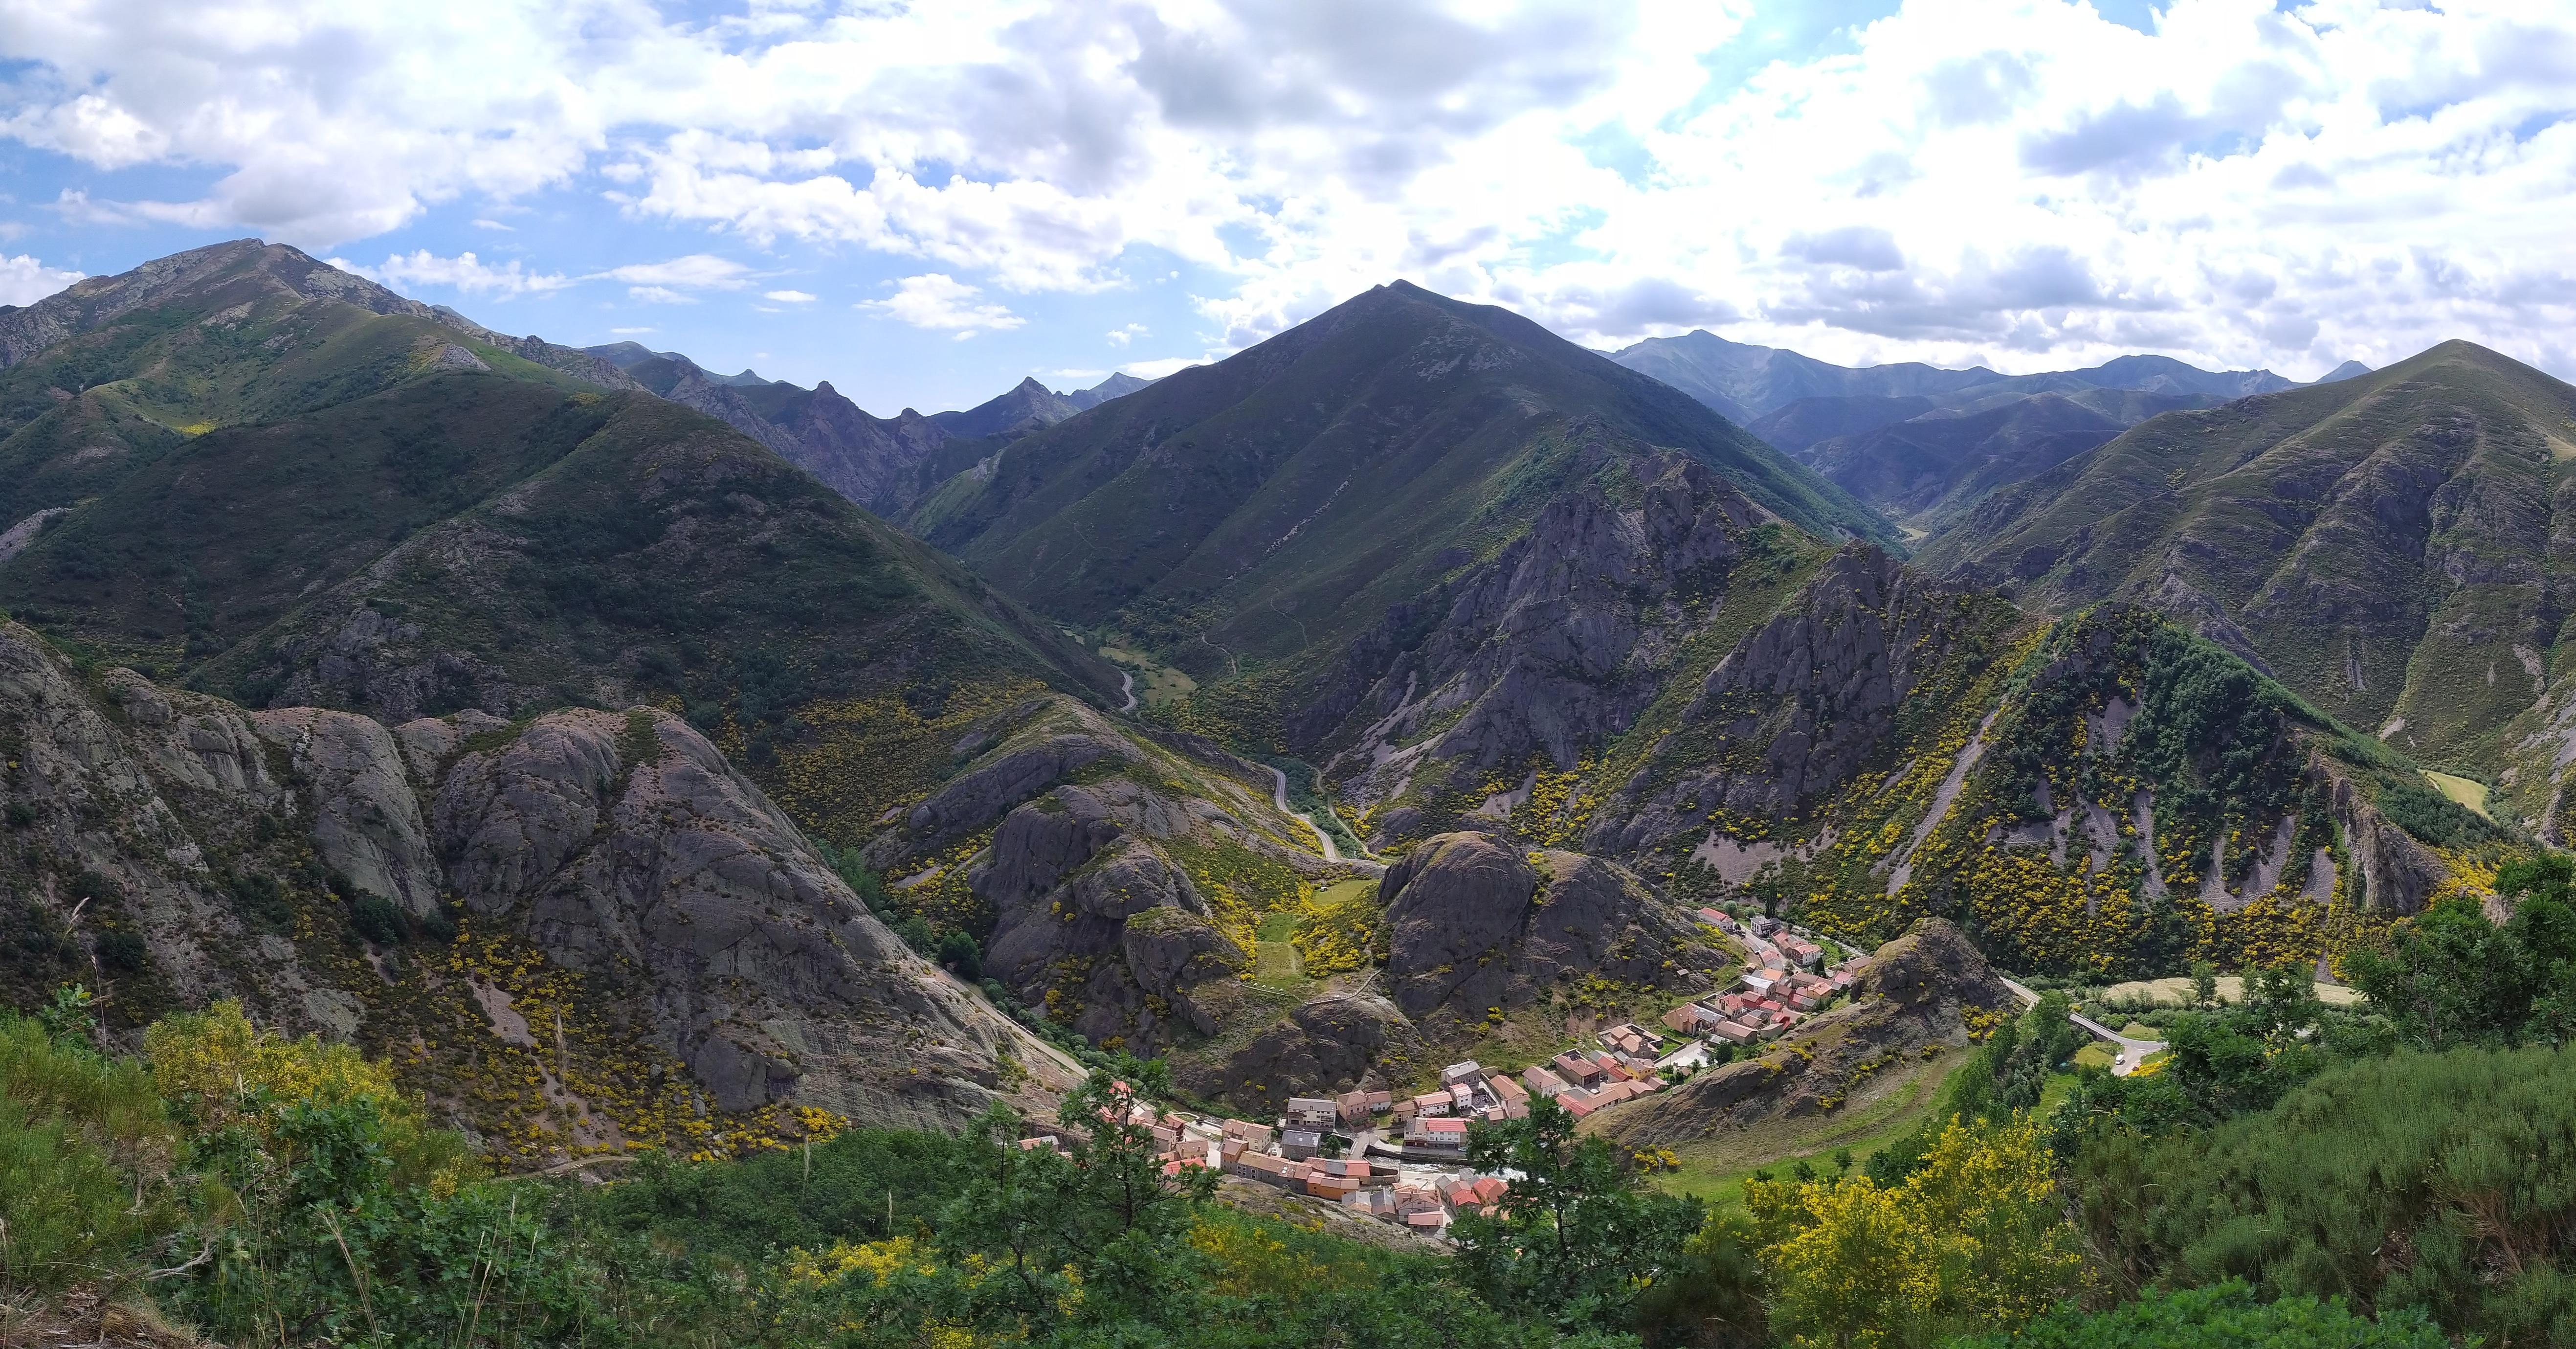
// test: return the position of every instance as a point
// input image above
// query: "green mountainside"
(1280, 500)
(2387, 546)
(274, 479)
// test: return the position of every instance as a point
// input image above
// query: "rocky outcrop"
(1548, 650)
(1010, 759)
(619, 848)
(1911, 1001)
(2397, 873)
(1329, 1044)
(1091, 917)
(764, 973)
(366, 823)
(1798, 706)
(1476, 928)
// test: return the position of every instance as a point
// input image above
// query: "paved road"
(1279, 798)
(1127, 689)
(2133, 1053)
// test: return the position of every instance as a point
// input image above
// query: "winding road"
(2132, 1053)
(1127, 689)
(1279, 798)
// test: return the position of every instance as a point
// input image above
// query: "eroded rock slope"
(645, 937)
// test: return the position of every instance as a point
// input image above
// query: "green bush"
(2444, 1182)
(2225, 1316)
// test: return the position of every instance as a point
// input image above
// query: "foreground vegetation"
(2398, 1174)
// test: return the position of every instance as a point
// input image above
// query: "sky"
(922, 203)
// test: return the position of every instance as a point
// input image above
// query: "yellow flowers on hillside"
(1337, 929)
(1973, 1240)
(217, 1055)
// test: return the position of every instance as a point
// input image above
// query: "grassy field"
(1155, 684)
(1717, 1169)
(2176, 992)
(1275, 962)
(2462, 791)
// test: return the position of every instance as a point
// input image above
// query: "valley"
(638, 761)
(1613, 631)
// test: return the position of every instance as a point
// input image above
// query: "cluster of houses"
(1786, 981)
(1402, 1159)
(1587, 1080)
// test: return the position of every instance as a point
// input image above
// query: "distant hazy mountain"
(634, 356)
(1027, 407)
(1746, 382)
(1921, 470)
(1031, 406)
(1918, 442)
(1118, 385)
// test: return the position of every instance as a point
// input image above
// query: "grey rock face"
(1798, 706)
(366, 823)
(2397, 873)
(870, 460)
(684, 897)
(766, 975)
(1087, 907)
(1331, 1043)
(984, 793)
(1546, 648)
(1475, 927)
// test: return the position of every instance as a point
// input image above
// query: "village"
(1404, 1159)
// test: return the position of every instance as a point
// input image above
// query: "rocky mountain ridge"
(595, 899)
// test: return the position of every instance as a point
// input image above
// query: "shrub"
(2224, 1316)
(2444, 1182)
(377, 919)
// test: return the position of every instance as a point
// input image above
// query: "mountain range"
(1920, 442)
(1387, 693)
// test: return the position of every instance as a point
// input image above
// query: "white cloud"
(2019, 181)
(1158, 369)
(696, 271)
(484, 223)
(787, 296)
(24, 280)
(630, 332)
(465, 272)
(1119, 337)
(659, 295)
(939, 302)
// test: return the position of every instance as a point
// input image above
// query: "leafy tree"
(1972, 1240)
(2451, 977)
(2204, 984)
(1579, 1237)
(1091, 1235)
(1716, 1296)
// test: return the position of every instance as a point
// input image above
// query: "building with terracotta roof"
(1441, 1134)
